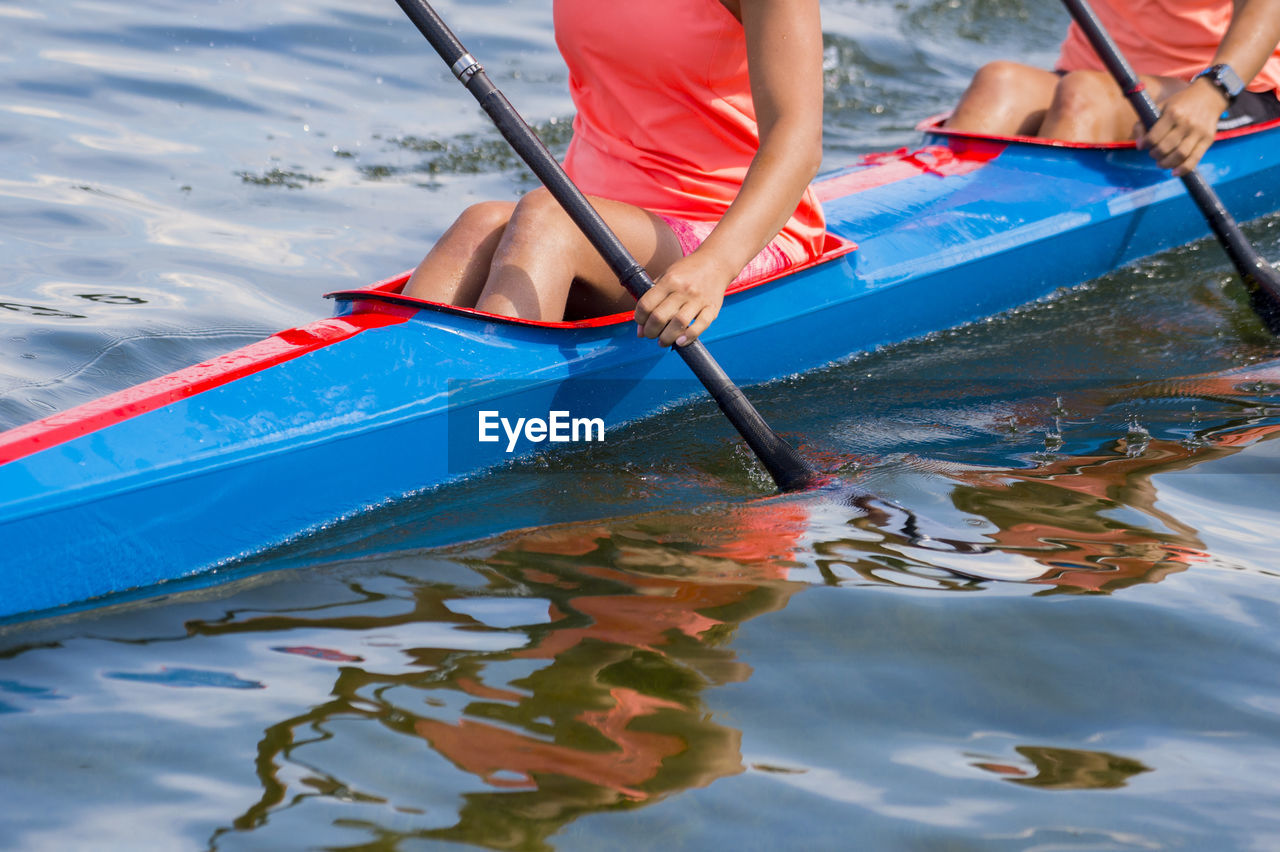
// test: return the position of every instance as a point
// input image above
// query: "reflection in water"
(39, 310)
(503, 692)
(1067, 769)
(579, 674)
(1062, 517)
(601, 705)
(188, 678)
(1091, 521)
(57, 313)
(1085, 522)
(614, 633)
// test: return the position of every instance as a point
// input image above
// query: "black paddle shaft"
(789, 470)
(1262, 281)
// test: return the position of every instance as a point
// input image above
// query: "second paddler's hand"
(684, 300)
(1187, 125)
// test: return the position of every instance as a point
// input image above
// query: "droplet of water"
(1136, 438)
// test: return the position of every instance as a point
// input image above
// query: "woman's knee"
(538, 207)
(998, 77)
(484, 218)
(538, 219)
(1088, 107)
(1003, 97)
(1083, 91)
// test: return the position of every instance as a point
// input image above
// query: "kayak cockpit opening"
(386, 296)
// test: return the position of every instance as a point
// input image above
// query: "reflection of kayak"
(194, 469)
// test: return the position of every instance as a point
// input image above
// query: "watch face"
(1227, 79)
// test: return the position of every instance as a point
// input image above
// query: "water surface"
(1035, 609)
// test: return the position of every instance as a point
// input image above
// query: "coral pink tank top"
(665, 119)
(1166, 38)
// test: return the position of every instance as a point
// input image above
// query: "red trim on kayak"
(934, 125)
(148, 396)
(960, 158)
(380, 296)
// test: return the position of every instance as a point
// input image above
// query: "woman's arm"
(784, 54)
(1189, 118)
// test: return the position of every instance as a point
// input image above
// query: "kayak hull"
(389, 397)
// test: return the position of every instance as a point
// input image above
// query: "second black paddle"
(1260, 278)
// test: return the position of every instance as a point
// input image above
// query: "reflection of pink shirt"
(665, 117)
(1166, 38)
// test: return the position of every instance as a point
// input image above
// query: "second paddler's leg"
(1005, 99)
(1011, 99)
(1088, 106)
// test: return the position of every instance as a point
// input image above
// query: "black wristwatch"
(1225, 78)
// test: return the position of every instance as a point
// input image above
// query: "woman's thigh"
(545, 251)
(649, 240)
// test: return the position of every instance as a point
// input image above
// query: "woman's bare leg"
(1088, 106)
(456, 268)
(1005, 99)
(542, 256)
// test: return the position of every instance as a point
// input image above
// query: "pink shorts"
(691, 234)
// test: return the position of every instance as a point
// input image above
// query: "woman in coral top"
(1209, 64)
(698, 129)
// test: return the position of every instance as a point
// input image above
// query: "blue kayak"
(205, 466)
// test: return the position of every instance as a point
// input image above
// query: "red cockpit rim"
(387, 293)
(934, 125)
